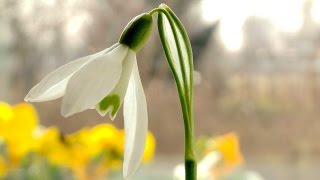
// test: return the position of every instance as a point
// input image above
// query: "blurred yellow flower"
(229, 149)
(101, 137)
(17, 121)
(228, 146)
(3, 167)
(150, 148)
(88, 153)
(16, 129)
(6, 112)
(49, 144)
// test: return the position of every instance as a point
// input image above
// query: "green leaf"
(178, 50)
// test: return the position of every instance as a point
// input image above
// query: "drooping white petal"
(90, 84)
(53, 85)
(112, 102)
(135, 123)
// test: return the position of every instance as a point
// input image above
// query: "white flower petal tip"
(27, 98)
(112, 117)
(135, 122)
(53, 85)
(90, 84)
(54, 92)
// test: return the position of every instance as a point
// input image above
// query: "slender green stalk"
(185, 91)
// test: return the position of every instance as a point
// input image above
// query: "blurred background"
(257, 73)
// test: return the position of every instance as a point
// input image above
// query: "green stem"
(186, 97)
(190, 155)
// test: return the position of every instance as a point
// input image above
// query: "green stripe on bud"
(111, 101)
(137, 32)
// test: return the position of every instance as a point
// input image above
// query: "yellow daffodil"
(150, 148)
(17, 125)
(6, 113)
(228, 147)
(21, 134)
(102, 137)
(3, 167)
(49, 144)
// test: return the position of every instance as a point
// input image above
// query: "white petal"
(112, 106)
(53, 85)
(90, 84)
(135, 123)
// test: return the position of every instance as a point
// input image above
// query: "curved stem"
(186, 97)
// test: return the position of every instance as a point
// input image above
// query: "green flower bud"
(137, 32)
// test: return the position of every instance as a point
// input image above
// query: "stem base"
(190, 169)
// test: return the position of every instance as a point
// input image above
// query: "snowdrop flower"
(103, 81)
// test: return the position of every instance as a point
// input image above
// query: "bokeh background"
(257, 68)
